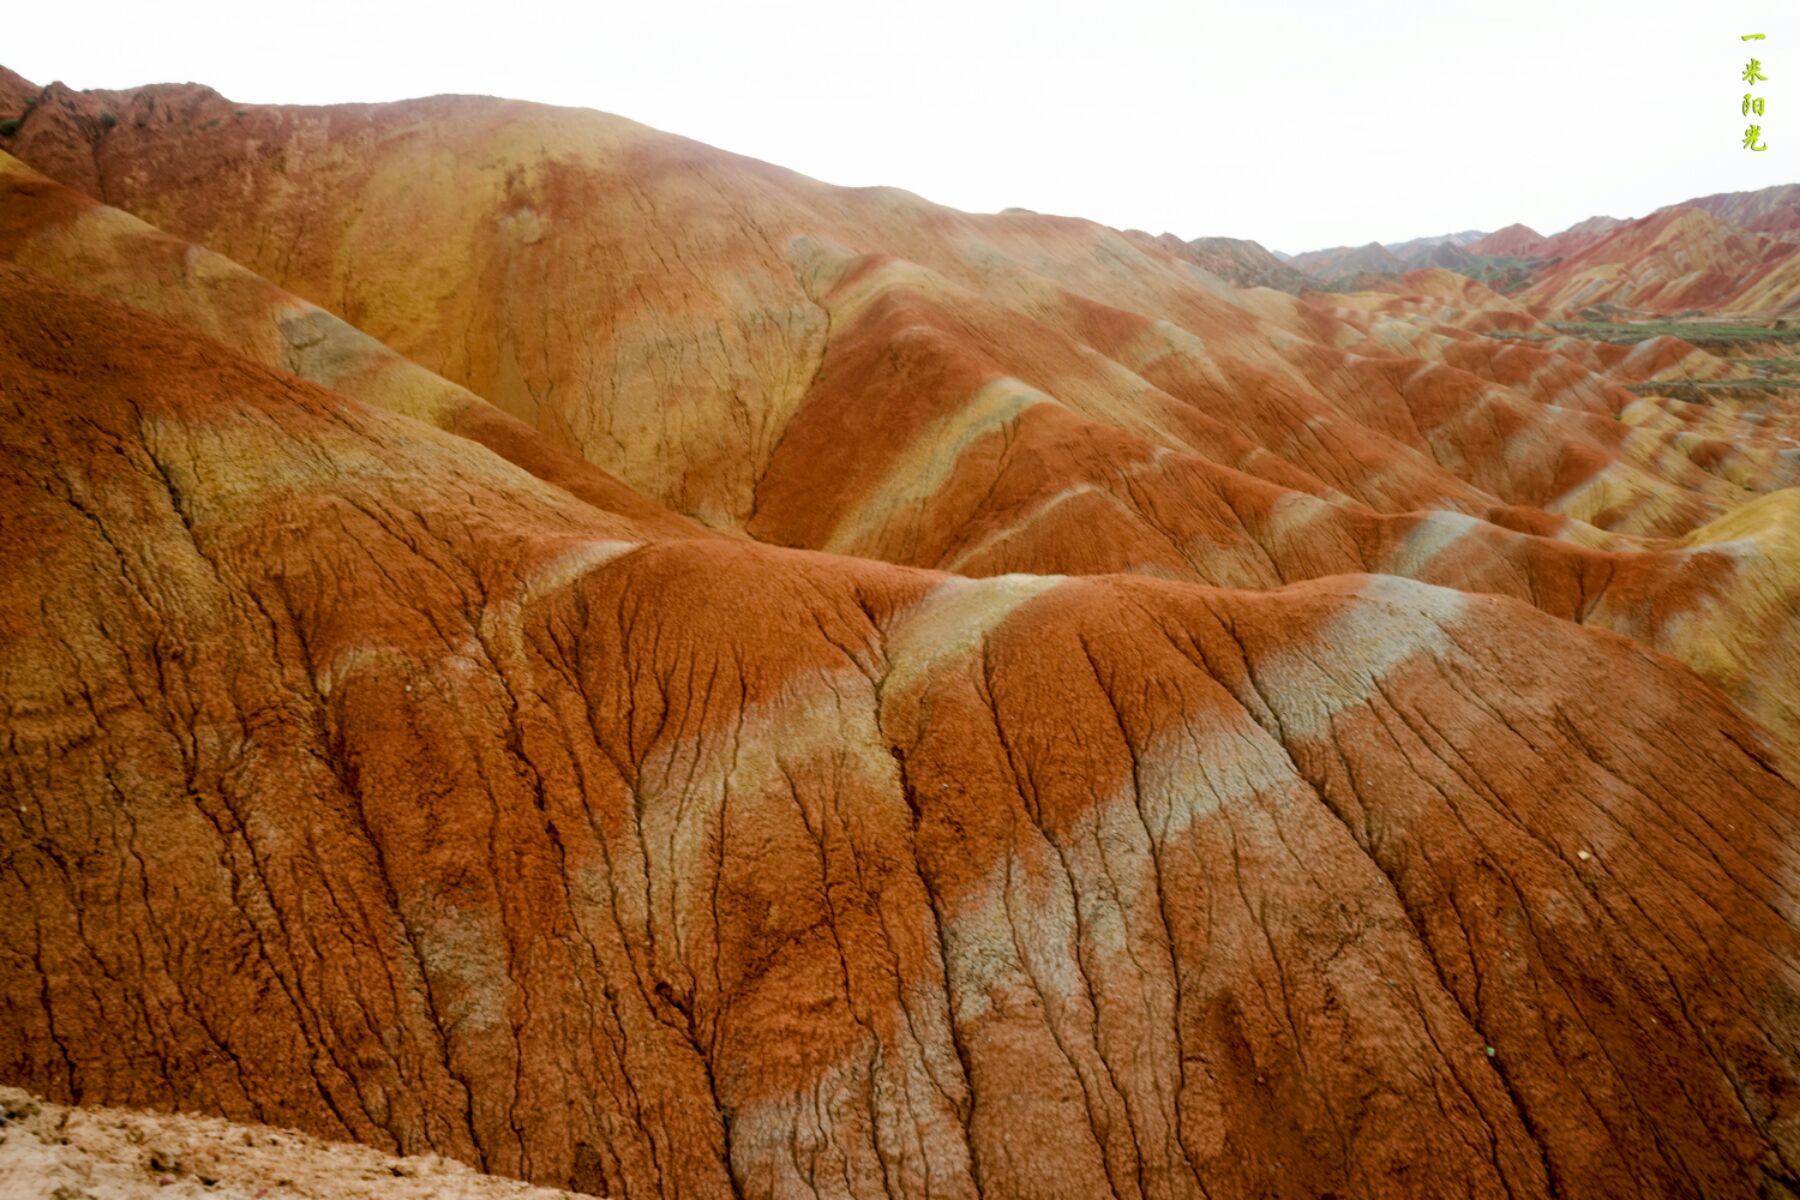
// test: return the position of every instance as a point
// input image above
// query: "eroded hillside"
(552, 645)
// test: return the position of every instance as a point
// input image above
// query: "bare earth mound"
(59, 1153)
(631, 669)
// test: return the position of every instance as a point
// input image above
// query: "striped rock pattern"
(559, 647)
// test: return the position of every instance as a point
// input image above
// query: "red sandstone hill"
(1340, 261)
(1780, 222)
(1244, 263)
(1418, 252)
(1735, 282)
(634, 866)
(1514, 241)
(1744, 208)
(1579, 236)
(1676, 259)
(563, 647)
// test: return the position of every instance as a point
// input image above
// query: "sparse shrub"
(211, 123)
(9, 126)
(239, 113)
(109, 118)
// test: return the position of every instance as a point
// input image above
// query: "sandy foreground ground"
(55, 1153)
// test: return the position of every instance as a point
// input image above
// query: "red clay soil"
(1020, 790)
(60, 1153)
(1515, 241)
(1675, 260)
(359, 789)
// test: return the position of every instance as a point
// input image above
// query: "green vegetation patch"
(1699, 391)
(1699, 333)
(1504, 273)
(1779, 367)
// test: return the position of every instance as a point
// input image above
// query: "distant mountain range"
(1732, 251)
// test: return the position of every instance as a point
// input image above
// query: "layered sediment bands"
(860, 371)
(359, 780)
(945, 430)
(58, 232)
(1676, 259)
(674, 314)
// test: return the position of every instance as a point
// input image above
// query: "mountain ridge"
(553, 645)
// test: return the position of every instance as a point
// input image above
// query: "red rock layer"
(1515, 241)
(384, 766)
(1340, 261)
(1674, 260)
(666, 311)
(367, 784)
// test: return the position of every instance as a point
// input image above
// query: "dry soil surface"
(60, 1153)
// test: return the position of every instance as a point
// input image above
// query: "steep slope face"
(1782, 222)
(661, 308)
(1579, 236)
(1245, 263)
(948, 423)
(16, 92)
(1340, 261)
(1416, 251)
(52, 230)
(1445, 255)
(1743, 208)
(645, 300)
(1674, 260)
(362, 781)
(1514, 241)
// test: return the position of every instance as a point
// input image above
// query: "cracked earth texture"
(560, 648)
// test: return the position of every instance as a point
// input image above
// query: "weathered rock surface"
(1514, 241)
(365, 783)
(1341, 261)
(1674, 260)
(52, 1152)
(672, 314)
(1417, 252)
(1243, 262)
(1744, 208)
(1055, 804)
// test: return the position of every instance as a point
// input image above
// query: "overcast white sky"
(1301, 123)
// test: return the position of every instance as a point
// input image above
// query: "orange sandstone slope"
(673, 313)
(1515, 241)
(54, 230)
(1746, 208)
(360, 781)
(383, 768)
(1081, 496)
(1674, 260)
(676, 315)
(1339, 261)
(863, 372)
